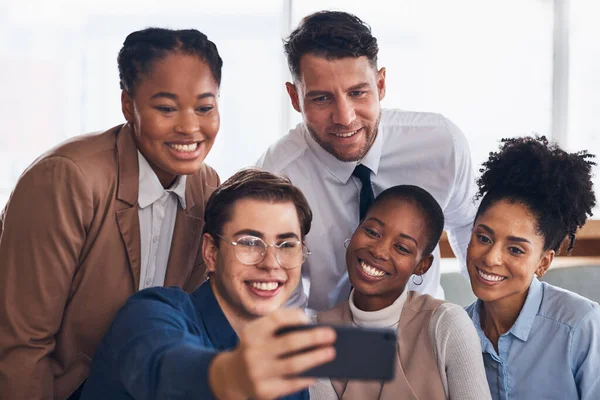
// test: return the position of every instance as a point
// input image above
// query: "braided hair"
(142, 48)
(556, 186)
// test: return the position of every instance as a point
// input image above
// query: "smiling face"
(174, 115)
(384, 251)
(504, 253)
(339, 101)
(246, 292)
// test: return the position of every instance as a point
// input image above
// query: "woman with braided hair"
(539, 341)
(107, 214)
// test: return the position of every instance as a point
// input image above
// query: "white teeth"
(346, 135)
(266, 286)
(490, 277)
(371, 271)
(186, 148)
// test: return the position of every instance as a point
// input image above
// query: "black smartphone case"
(361, 353)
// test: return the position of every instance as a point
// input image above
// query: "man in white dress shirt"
(337, 87)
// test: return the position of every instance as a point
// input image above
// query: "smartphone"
(361, 353)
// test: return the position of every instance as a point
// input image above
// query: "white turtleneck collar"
(385, 318)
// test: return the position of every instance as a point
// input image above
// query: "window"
(486, 65)
(584, 82)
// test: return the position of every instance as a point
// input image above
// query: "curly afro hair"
(555, 185)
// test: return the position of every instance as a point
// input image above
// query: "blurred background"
(497, 68)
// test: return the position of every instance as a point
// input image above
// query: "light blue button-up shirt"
(551, 352)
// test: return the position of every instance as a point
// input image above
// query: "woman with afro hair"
(539, 341)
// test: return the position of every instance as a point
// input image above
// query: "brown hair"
(331, 35)
(256, 184)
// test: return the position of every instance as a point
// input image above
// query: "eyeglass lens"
(251, 250)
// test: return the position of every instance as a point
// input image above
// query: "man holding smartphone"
(221, 341)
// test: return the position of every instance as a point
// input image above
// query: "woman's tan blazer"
(70, 257)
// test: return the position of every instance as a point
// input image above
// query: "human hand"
(265, 365)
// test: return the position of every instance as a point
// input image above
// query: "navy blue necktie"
(366, 192)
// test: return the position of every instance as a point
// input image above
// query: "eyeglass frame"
(275, 246)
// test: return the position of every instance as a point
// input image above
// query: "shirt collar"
(342, 170)
(486, 345)
(218, 328)
(151, 189)
(522, 326)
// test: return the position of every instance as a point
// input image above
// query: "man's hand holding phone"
(267, 365)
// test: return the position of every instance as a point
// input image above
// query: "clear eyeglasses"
(251, 250)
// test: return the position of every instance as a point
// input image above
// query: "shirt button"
(148, 282)
(154, 239)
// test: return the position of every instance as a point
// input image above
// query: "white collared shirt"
(157, 212)
(422, 149)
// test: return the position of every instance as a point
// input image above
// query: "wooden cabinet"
(587, 243)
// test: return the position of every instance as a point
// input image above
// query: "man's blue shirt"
(551, 352)
(160, 346)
